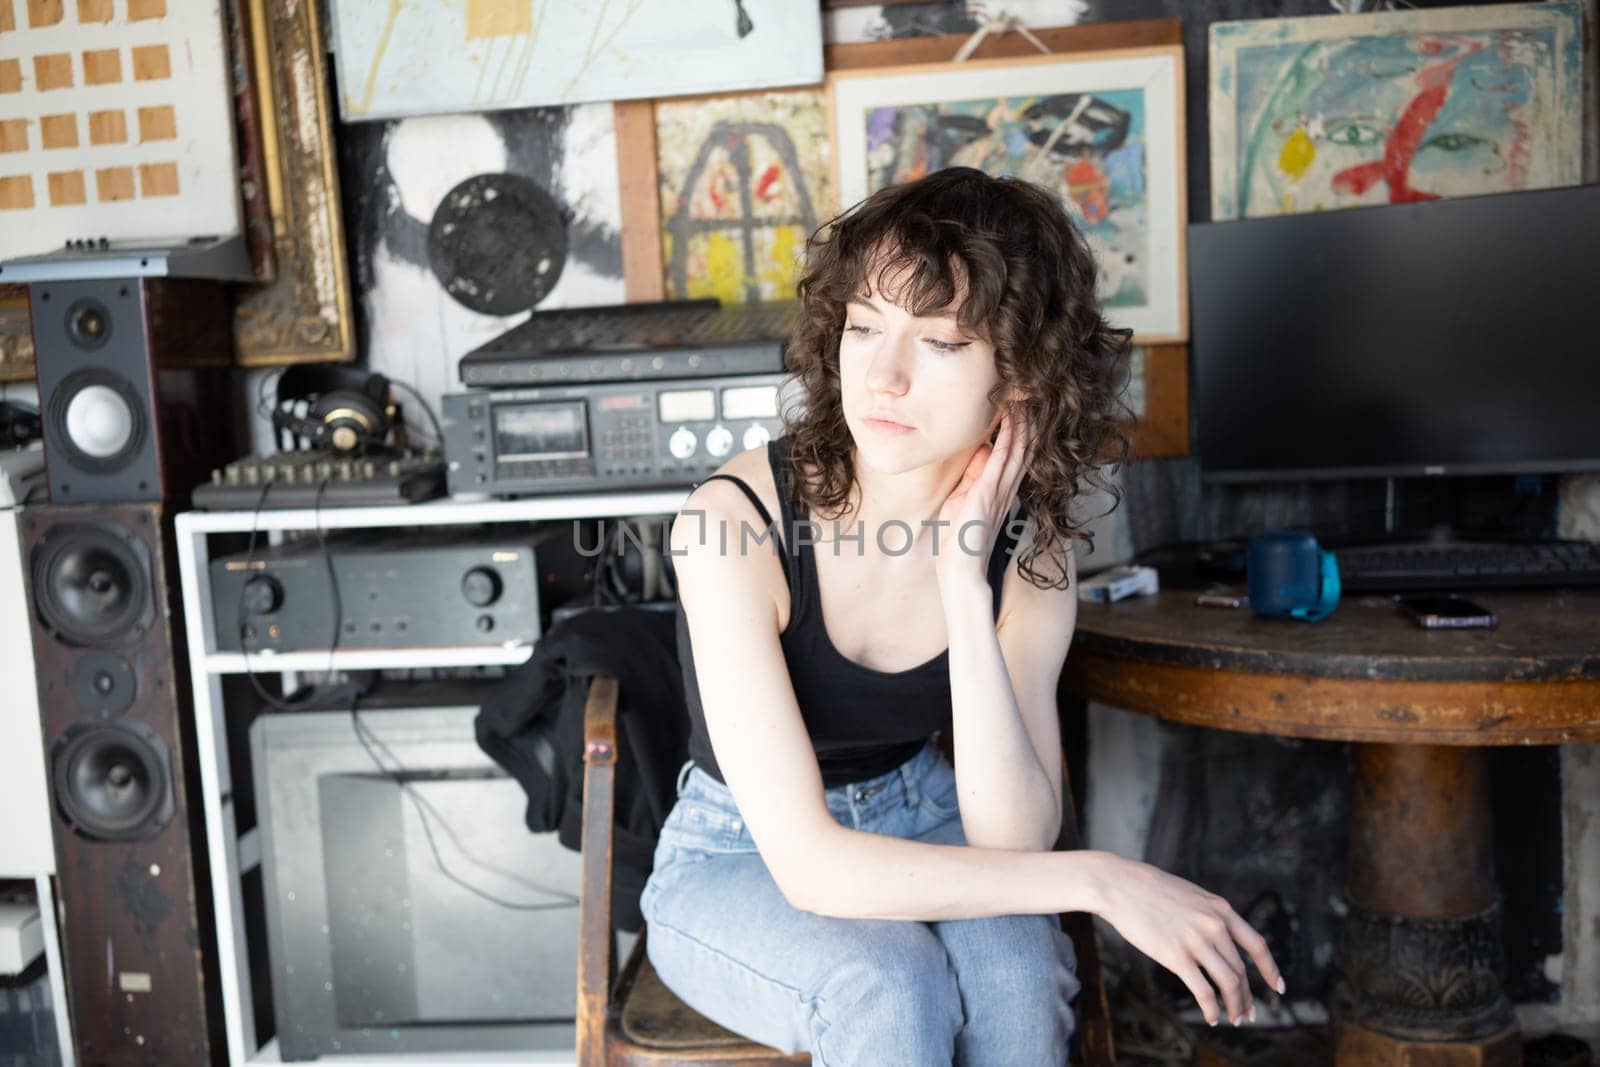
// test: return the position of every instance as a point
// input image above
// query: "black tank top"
(863, 722)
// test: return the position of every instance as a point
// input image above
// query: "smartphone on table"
(1445, 611)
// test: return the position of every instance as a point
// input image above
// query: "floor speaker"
(138, 940)
(134, 389)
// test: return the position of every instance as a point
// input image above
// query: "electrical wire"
(244, 645)
(433, 420)
(363, 732)
(396, 774)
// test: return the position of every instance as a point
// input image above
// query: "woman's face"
(926, 374)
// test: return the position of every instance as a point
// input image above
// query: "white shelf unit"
(232, 855)
(27, 841)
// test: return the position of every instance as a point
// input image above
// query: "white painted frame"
(230, 854)
(1156, 71)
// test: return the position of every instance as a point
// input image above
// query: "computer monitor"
(1448, 337)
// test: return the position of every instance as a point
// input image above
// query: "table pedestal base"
(1420, 954)
(1356, 1044)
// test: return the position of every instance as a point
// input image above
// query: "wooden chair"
(631, 1018)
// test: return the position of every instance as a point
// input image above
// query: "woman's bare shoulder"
(718, 519)
(753, 467)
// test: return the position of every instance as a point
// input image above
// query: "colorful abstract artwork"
(1102, 132)
(396, 59)
(744, 181)
(1311, 114)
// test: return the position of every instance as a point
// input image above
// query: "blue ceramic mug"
(1291, 576)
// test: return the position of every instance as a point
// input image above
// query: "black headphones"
(19, 424)
(347, 409)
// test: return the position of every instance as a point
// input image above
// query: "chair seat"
(653, 1018)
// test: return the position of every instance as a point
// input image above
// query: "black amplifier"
(396, 589)
(610, 435)
(658, 340)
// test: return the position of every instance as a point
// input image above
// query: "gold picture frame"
(305, 314)
(16, 335)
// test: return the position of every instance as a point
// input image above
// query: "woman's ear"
(994, 423)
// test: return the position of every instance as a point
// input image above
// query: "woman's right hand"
(1190, 932)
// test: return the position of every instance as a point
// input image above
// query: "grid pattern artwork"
(115, 123)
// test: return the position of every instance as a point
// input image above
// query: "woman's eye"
(1453, 142)
(853, 328)
(1354, 133)
(948, 346)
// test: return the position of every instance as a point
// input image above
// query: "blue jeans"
(852, 991)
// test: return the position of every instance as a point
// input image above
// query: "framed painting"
(16, 335)
(396, 60)
(116, 123)
(744, 180)
(304, 313)
(1102, 130)
(1326, 112)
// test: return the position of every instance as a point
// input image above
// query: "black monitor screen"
(1449, 337)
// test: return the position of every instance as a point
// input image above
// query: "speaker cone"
(112, 780)
(98, 420)
(103, 682)
(88, 324)
(91, 584)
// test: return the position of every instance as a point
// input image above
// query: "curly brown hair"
(1027, 283)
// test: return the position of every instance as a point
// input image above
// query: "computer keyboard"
(1394, 568)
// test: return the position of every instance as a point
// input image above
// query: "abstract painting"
(116, 122)
(1103, 131)
(744, 181)
(396, 59)
(1311, 114)
(421, 299)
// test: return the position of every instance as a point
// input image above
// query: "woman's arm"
(766, 757)
(1003, 677)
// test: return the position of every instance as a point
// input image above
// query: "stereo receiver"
(395, 589)
(612, 435)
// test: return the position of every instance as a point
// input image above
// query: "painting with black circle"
(441, 267)
(497, 243)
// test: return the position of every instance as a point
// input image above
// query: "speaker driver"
(103, 682)
(98, 419)
(91, 584)
(88, 324)
(112, 780)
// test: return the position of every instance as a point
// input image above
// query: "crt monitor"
(417, 920)
(1447, 337)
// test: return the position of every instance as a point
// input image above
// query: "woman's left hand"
(980, 503)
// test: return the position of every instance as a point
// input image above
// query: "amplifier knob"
(481, 586)
(682, 442)
(263, 594)
(719, 441)
(755, 437)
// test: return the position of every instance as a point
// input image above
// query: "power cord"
(433, 420)
(423, 808)
(397, 773)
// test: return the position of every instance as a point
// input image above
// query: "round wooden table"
(1420, 952)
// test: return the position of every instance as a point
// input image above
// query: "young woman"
(826, 880)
